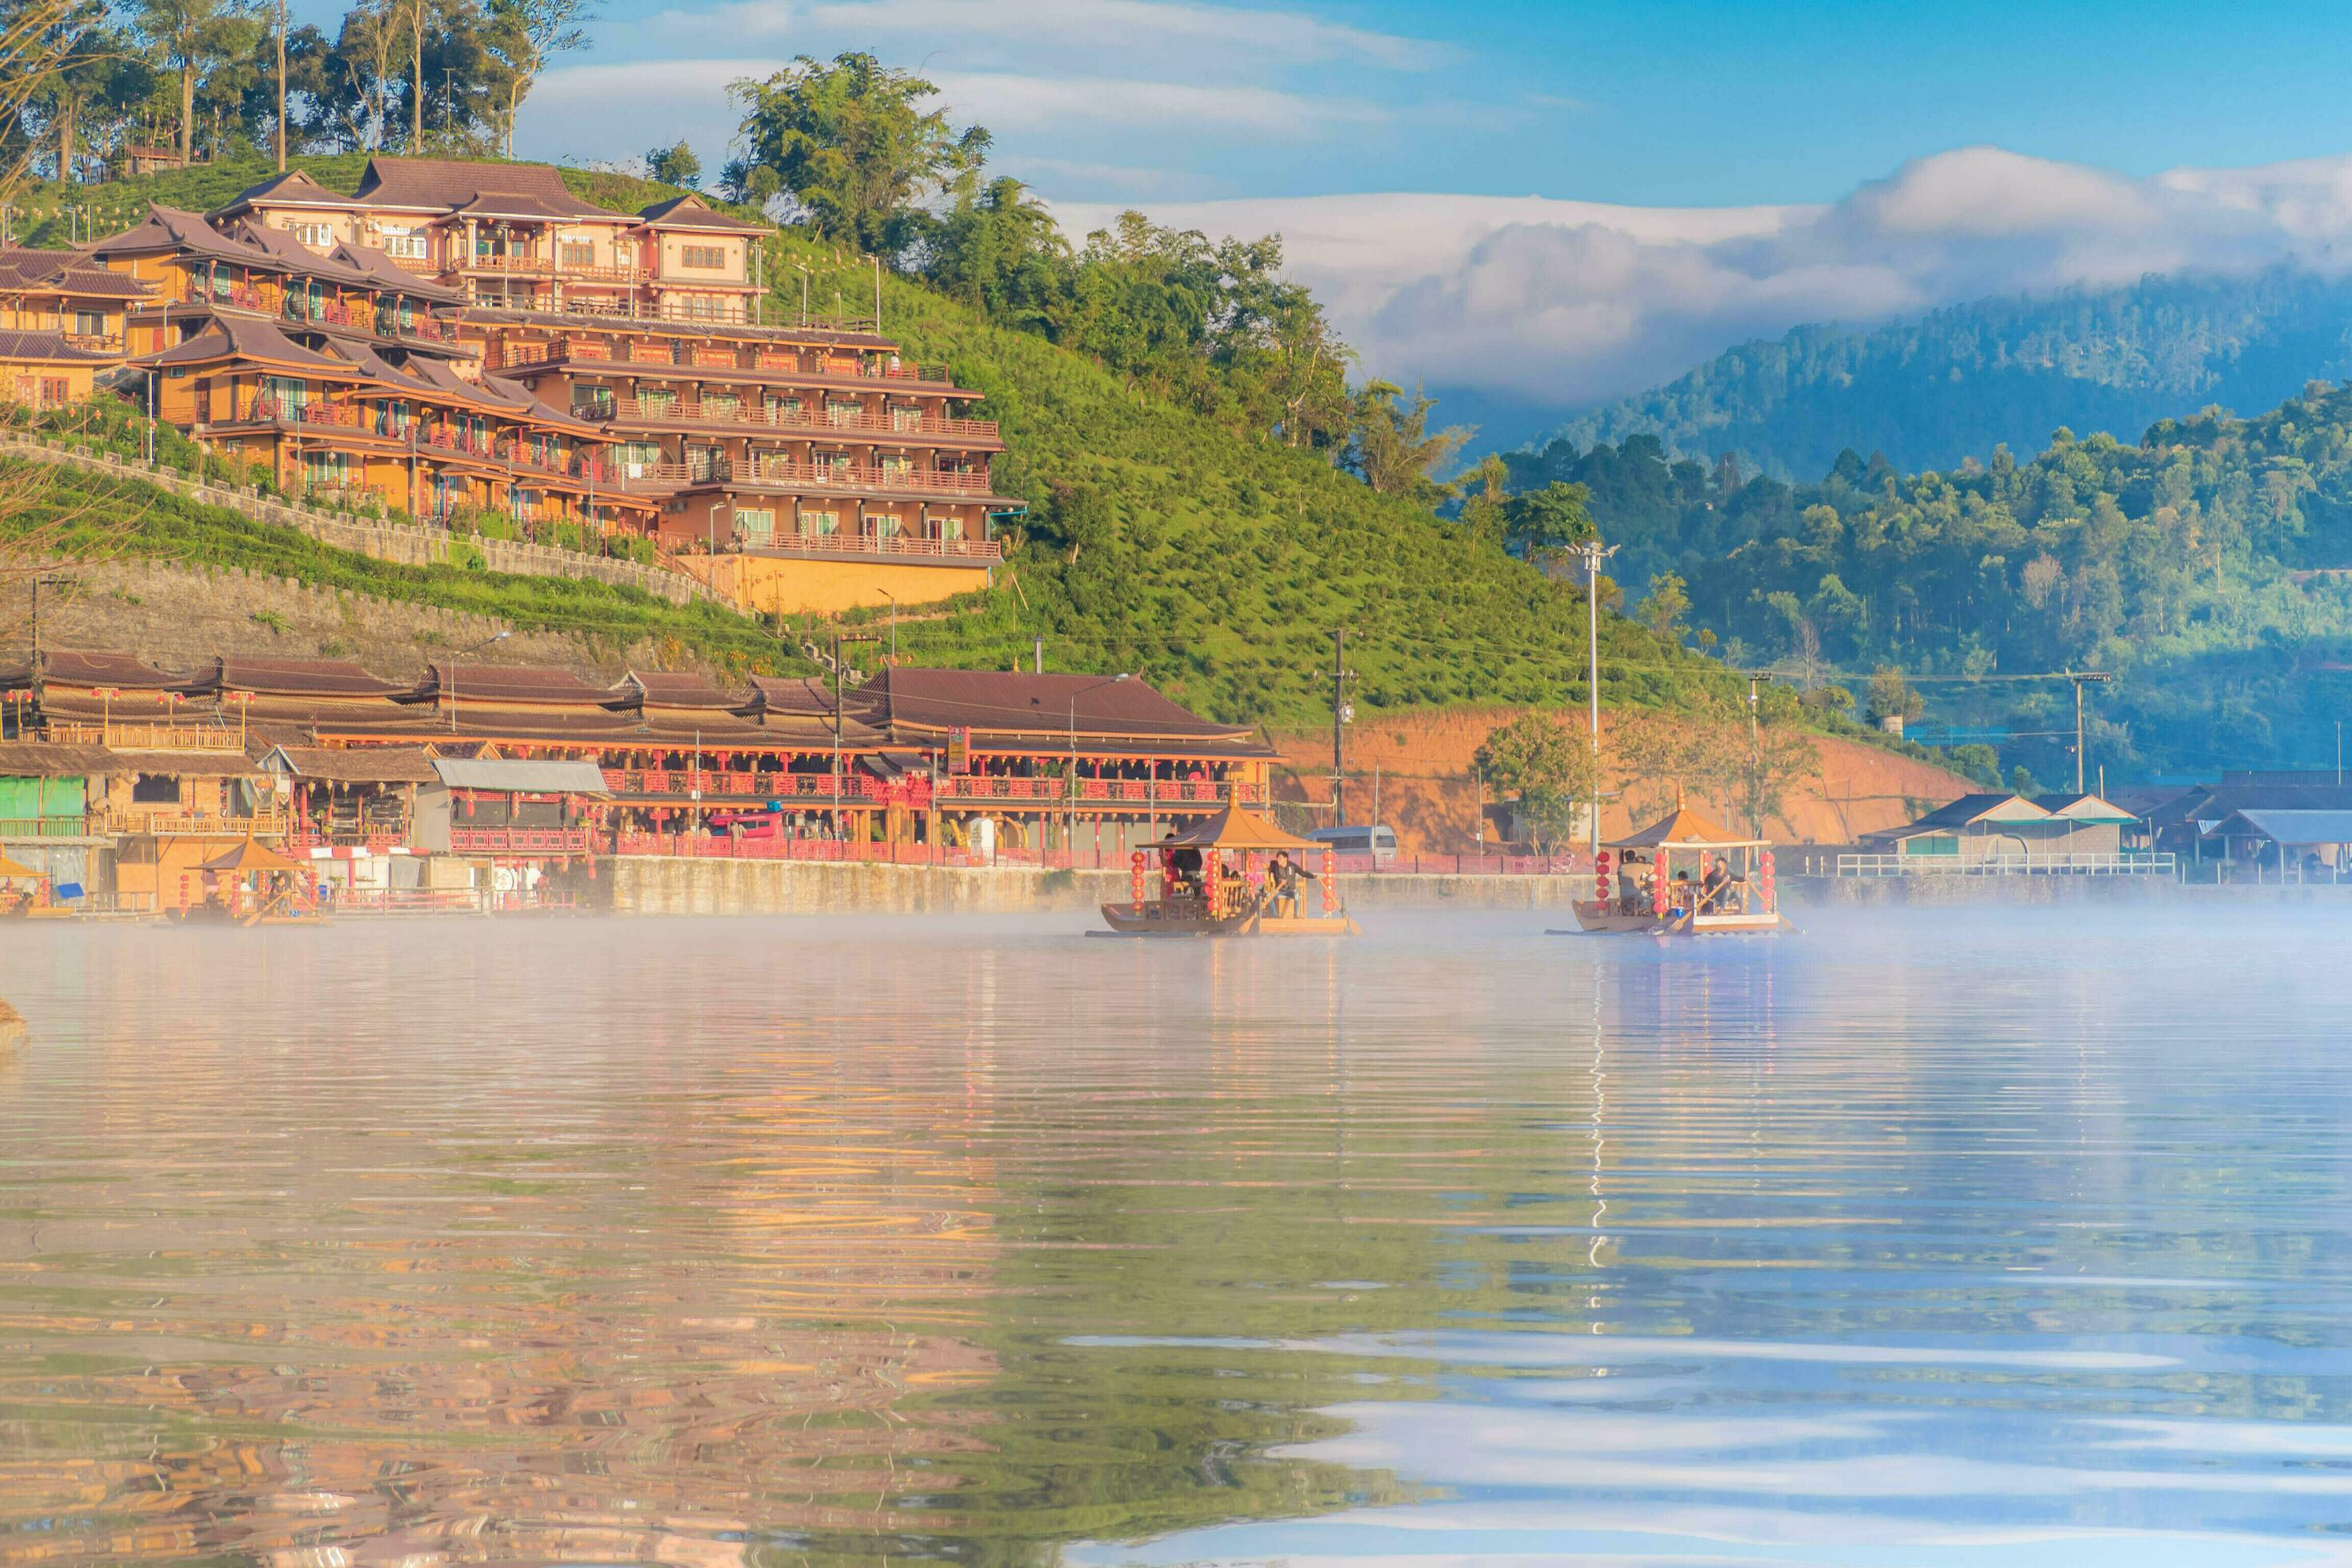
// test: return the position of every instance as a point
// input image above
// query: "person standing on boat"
(1282, 878)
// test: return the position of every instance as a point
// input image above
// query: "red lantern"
(1135, 875)
(1601, 877)
(1772, 899)
(1658, 889)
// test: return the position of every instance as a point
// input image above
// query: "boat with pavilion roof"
(1684, 874)
(1214, 881)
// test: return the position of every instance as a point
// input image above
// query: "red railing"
(978, 550)
(775, 847)
(518, 840)
(789, 473)
(816, 421)
(377, 842)
(682, 359)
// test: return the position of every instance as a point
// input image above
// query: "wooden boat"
(1211, 882)
(1676, 855)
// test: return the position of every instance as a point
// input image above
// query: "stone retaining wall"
(402, 543)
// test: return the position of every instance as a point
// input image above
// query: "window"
(155, 789)
(710, 257)
(820, 522)
(759, 525)
(841, 414)
(406, 244)
(579, 253)
(90, 324)
(317, 236)
(54, 392)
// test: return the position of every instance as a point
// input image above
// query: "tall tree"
(189, 38)
(853, 146)
(525, 35)
(1547, 767)
(1548, 519)
(42, 45)
(1395, 450)
(675, 165)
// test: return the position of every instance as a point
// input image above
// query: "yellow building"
(61, 325)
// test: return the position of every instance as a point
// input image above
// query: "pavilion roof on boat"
(1236, 827)
(1684, 828)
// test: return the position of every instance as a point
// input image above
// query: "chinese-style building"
(61, 324)
(462, 335)
(324, 756)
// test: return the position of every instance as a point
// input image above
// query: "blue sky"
(1552, 204)
(1656, 104)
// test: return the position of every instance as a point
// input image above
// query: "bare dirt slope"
(1426, 793)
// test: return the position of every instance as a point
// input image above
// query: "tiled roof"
(1017, 700)
(389, 276)
(295, 678)
(689, 212)
(532, 683)
(446, 184)
(50, 759)
(293, 255)
(24, 268)
(679, 688)
(47, 348)
(356, 765)
(287, 189)
(249, 338)
(77, 667)
(170, 228)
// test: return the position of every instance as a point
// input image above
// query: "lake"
(1922, 1237)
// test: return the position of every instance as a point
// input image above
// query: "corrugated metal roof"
(2293, 826)
(527, 777)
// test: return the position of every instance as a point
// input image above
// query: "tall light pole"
(894, 622)
(839, 640)
(494, 636)
(1593, 553)
(2081, 679)
(1070, 801)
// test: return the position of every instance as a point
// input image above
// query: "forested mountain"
(1960, 380)
(2208, 566)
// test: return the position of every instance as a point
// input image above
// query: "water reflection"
(771, 1243)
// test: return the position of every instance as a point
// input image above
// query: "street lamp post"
(894, 622)
(494, 636)
(1070, 801)
(839, 640)
(1594, 553)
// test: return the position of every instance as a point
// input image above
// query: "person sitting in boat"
(1678, 900)
(1184, 866)
(1715, 887)
(1282, 878)
(1630, 895)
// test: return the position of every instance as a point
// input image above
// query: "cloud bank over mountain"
(1571, 302)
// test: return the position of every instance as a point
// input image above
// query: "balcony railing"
(518, 840)
(147, 735)
(43, 828)
(787, 473)
(2127, 863)
(685, 362)
(261, 824)
(816, 421)
(95, 343)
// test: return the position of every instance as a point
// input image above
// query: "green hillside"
(2208, 567)
(1158, 542)
(1928, 393)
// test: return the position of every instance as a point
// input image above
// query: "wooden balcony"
(518, 840)
(763, 366)
(812, 421)
(194, 823)
(125, 734)
(974, 552)
(849, 478)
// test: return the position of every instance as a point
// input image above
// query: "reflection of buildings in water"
(563, 1324)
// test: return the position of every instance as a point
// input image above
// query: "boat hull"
(1598, 919)
(1163, 919)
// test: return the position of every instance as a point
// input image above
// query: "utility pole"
(1594, 553)
(838, 639)
(1340, 714)
(281, 86)
(1755, 764)
(37, 583)
(2082, 677)
(1038, 654)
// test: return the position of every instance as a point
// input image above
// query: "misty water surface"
(1921, 1238)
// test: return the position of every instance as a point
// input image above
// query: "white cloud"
(1573, 303)
(1146, 29)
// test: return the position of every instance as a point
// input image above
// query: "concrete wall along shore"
(661, 885)
(400, 544)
